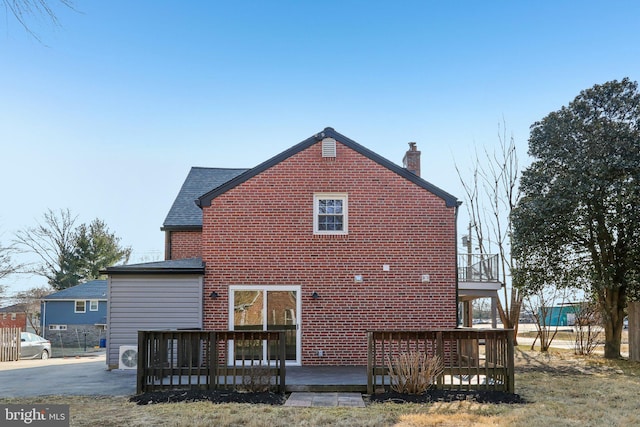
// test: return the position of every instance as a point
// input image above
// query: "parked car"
(625, 323)
(33, 346)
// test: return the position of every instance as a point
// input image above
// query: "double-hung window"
(330, 213)
(80, 306)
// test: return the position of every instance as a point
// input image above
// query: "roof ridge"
(218, 168)
(205, 200)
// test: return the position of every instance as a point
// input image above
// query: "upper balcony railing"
(478, 268)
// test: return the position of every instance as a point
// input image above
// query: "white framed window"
(80, 307)
(93, 305)
(330, 213)
(13, 316)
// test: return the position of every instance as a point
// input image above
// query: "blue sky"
(106, 115)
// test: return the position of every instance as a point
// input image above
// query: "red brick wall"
(19, 322)
(261, 233)
(186, 244)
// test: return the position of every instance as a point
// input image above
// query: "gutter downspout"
(44, 319)
(455, 242)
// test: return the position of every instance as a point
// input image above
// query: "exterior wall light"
(213, 295)
(315, 295)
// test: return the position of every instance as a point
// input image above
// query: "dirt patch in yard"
(562, 364)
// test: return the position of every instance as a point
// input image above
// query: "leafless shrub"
(588, 328)
(413, 372)
(257, 379)
(541, 302)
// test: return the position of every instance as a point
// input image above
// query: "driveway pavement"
(86, 375)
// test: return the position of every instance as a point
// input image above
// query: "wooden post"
(633, 309)
(510, 361)
(142, 363)
(440, 352)
(370, 362)
(213, 361)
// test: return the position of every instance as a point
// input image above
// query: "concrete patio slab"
(326, 379)
(307, 399)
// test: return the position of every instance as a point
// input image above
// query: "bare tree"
(70, 254)
(482, 306)
(29, 301)
(7, 266)
(492, 193)
(24, 10)
(53, 242)
(5, 269)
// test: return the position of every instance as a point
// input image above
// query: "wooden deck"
(472, 359)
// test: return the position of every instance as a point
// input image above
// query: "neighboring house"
(13, 316)
(325, 240)
(71, 315)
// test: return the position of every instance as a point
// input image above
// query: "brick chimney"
(411, 160)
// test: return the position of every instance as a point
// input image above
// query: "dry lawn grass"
(563, 390)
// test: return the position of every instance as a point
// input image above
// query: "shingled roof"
(94, 289)
(174, 266)
(15, 308)
(184, 213)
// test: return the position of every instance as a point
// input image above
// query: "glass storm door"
(273, 308)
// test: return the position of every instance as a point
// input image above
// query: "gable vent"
(328, 147)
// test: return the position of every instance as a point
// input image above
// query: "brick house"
(14, 316)
(326, 240)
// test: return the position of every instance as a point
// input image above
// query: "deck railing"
(249, 360)
(471, 359)
(478, 268)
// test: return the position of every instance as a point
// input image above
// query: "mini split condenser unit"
(128, 357)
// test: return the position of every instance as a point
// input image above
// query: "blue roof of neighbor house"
(95, 289)
(174, 266)
(205, 200)
(184, 213)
